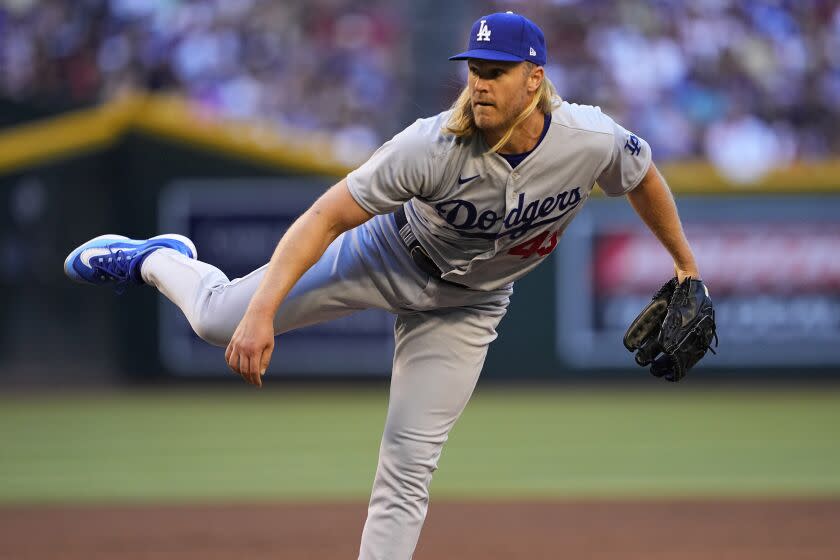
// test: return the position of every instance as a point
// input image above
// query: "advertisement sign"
(236, 225)
(772, 266)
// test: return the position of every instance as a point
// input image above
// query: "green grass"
(322, 445)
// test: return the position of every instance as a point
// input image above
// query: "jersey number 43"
(542, 245)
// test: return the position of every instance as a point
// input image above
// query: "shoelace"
(668, 287)
(717, 342)
(117, 267)
(681, 294)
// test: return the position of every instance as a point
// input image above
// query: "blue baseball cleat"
(115, 259)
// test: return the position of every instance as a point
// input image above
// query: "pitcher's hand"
(687, 272)
(249, 351)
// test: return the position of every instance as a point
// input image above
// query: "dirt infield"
(678, 530)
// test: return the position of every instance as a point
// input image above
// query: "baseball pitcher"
(435, 227)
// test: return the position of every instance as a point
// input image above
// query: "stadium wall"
(71, 177)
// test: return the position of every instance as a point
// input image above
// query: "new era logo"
(531, 51)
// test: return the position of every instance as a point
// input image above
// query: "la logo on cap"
(483, 32)
(514, 38)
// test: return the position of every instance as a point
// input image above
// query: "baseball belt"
(418, 254)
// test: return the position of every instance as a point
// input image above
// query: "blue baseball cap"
(505, 36)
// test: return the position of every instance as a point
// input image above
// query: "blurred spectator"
(319, 65)
(697, 79)
(748, 84)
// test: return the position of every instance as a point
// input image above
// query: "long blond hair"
(462, 121)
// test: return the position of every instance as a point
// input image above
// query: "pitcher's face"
(499, 92)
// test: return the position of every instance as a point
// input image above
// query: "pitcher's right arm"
(252, 344)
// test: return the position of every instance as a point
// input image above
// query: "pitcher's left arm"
(676, 329)
(653, 202)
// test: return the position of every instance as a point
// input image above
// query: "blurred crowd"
(317, 65)
(749, 84)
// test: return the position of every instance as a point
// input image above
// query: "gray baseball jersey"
(482, 224)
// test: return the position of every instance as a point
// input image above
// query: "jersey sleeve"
(627, 162)
(402, 168)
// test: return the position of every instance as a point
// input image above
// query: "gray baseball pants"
(442, 335)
